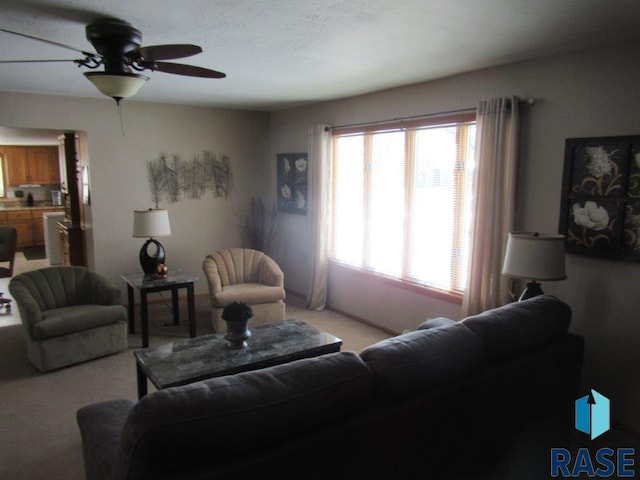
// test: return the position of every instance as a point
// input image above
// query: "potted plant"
(237, 315)
(262, 226)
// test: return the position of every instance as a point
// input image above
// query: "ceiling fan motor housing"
(118, 47)
(112, 39)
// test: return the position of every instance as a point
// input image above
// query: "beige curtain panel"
(319, 209)
(497, 139)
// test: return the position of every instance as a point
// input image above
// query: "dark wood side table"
(191, 360)
(149, 283)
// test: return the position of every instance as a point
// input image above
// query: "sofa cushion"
(63, 286)
(520, 326)
(227, 416)
(238, 265)
(412, 362)
(436, 323)
(252, 293)
(66, 320)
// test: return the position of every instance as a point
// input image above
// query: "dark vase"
(237, 333)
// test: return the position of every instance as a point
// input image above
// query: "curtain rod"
(528, 101)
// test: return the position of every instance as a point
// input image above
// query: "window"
(401, 200)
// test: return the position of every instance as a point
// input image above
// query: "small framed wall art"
(292, 182)
(600, 212)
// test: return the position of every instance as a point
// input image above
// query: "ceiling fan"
(119, 51)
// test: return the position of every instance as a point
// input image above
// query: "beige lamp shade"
(535, 256)
(151, 223)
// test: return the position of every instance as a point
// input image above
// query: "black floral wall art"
(600, 213)
(292, 182)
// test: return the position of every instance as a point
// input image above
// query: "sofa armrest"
(101, 427)
(270, 273)
(30, 312)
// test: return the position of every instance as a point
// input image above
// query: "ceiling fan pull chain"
(119, 107)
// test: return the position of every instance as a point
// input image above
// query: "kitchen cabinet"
(32, 165)
(21, 221)
(17, 165)
(43, 165)
(28, 224)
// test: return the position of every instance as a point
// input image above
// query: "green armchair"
(69, 314)
(8, 242)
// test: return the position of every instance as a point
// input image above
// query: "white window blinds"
(402, 200)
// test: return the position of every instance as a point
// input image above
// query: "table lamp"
(534, 256)
(151, 223)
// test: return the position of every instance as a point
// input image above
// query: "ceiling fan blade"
(50, 42)
(187, 70)
(153, 53)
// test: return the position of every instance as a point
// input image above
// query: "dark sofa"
(486, 397)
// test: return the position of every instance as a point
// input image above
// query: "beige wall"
(579, 95)
(119, 178)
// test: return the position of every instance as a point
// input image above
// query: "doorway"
(43, 193)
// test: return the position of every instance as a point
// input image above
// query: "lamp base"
(533, 290)
(148, 262)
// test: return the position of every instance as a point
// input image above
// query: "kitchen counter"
(35, 207)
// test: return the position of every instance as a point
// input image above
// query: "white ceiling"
(279, 53)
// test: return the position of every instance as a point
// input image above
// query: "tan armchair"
(245, 275)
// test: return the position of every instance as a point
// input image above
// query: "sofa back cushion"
(520, 326)
(8, 238)
(63, 286)
(415, 361)
(225, 417)
(238, 265)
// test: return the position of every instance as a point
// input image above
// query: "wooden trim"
(410, 126)
(466, 115)
(366, 201)
(462, 136)
(409, 180)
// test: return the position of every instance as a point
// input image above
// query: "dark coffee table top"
(194, 359)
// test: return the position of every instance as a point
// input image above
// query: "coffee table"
(191, 360)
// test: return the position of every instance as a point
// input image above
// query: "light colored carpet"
(39, 437)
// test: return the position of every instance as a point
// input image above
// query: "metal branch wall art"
(172, 178)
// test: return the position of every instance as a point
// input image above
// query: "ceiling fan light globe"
(117, 85)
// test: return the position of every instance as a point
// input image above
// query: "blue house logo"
(593, 418)
(592, 414)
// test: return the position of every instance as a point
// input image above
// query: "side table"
(149, 283)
